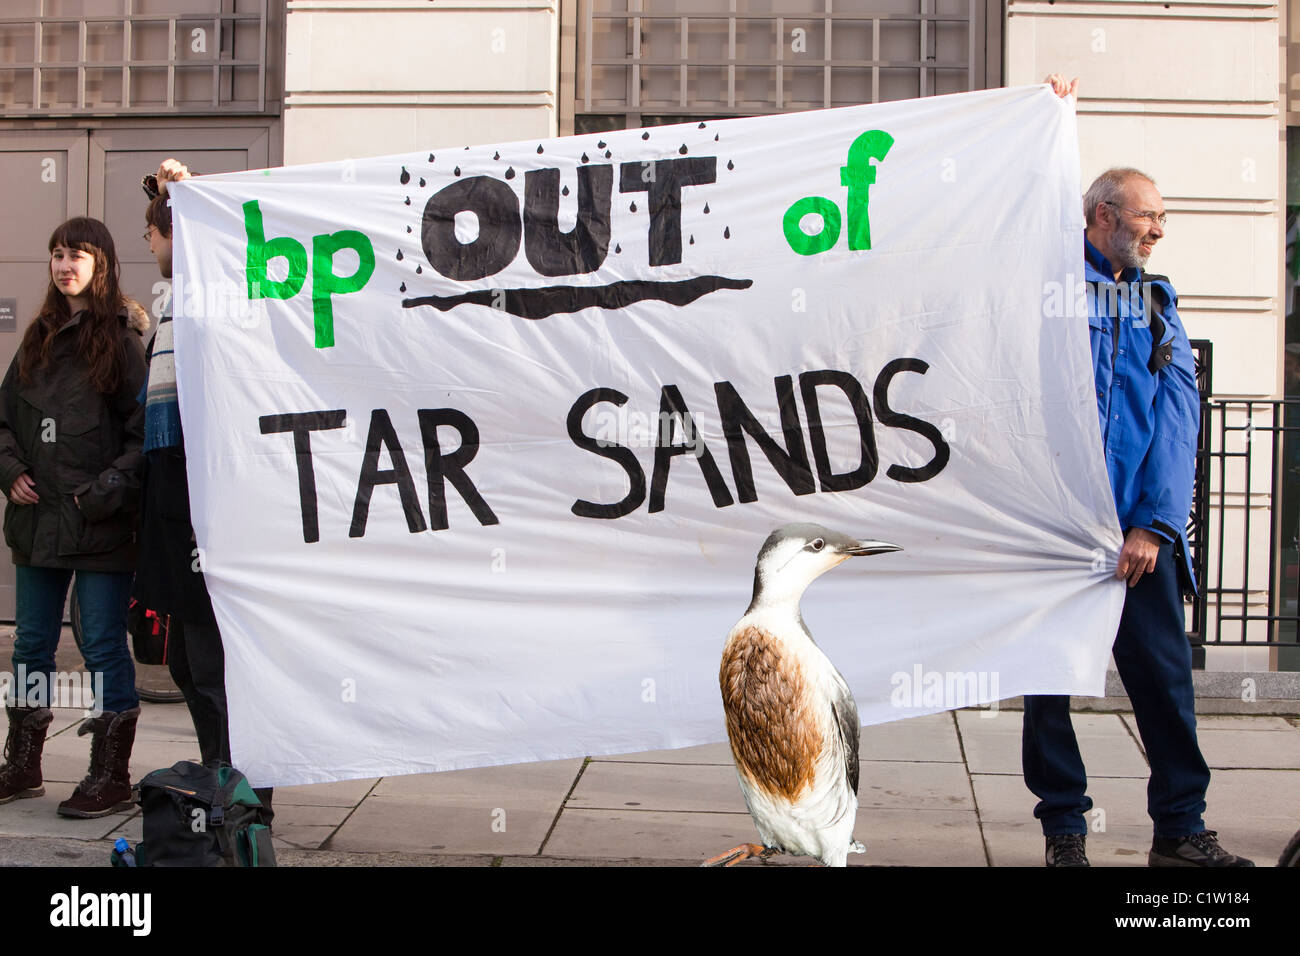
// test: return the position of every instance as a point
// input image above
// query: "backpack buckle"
(217, 816)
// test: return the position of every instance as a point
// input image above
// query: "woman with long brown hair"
(70, 436)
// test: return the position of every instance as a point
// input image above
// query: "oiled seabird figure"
(792, 722)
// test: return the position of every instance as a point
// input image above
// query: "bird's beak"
(863, 548)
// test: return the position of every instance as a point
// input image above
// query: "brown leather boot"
(107, 787)
(20, 777)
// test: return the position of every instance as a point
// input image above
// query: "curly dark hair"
(99, 338)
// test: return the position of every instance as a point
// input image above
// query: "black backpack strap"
(1161, 355)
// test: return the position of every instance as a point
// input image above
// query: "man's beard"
(1127, 245)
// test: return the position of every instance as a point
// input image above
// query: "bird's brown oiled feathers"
(774, 738)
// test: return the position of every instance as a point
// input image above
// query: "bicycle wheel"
(153, 682)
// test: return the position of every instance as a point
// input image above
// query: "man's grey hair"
(1109, 188)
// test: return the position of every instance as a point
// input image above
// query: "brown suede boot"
(20, 777)
(107, 787)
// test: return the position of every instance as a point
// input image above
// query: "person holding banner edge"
(1149, 412)
(169, 578)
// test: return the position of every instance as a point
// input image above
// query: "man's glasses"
(1155, 218)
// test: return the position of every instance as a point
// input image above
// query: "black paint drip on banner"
(550, 300)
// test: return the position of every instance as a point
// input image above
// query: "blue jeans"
(1154, 661)
(103, 596)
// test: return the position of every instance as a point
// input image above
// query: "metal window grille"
(644, 62)
(131, 62)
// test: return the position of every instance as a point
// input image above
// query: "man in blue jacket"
(1149, 411)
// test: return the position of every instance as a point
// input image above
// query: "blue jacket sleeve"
(1166, 498)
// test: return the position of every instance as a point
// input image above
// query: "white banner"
(483, 442)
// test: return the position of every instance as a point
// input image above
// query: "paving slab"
(150, 755)
(52, 851)
(715, 789)
(65, 761)
(1272, 795)
(993, 745)
(906, 837)
(1254, 811)
(291, 856)
(164, 722)
(496, 810)
(1250, 748)
(542, 784)
(932, 739)
(67, 758)
(1005, 799)
(614, 785)
(1261, 722)
(892, 784)
(1014, 844)
(164, 735)
(1021, 844)
(587, 862)
(650, 834)
(392, 823)
(1259, 840)
(38, 816)
(344, 793)
(892, 837)
(306, 827)
(130, 827)
(66, 718)
(719, 753)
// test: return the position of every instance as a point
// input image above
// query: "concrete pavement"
(942, 790)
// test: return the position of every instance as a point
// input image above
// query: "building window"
(112, 57)
(649, 62)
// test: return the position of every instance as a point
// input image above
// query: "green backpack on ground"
(201, 816)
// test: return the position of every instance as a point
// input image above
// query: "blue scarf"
(162, 410)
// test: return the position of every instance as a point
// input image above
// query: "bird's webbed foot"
(742, 852)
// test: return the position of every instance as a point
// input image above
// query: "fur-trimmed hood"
(137, 319)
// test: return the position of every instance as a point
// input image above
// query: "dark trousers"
(197, 662)
(1155, 664)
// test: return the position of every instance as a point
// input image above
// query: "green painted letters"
(858, 174)
(325, 283)
(799, 240)
(260, 252)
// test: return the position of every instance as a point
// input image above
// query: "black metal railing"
(1244, 529)
(1197, 522)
